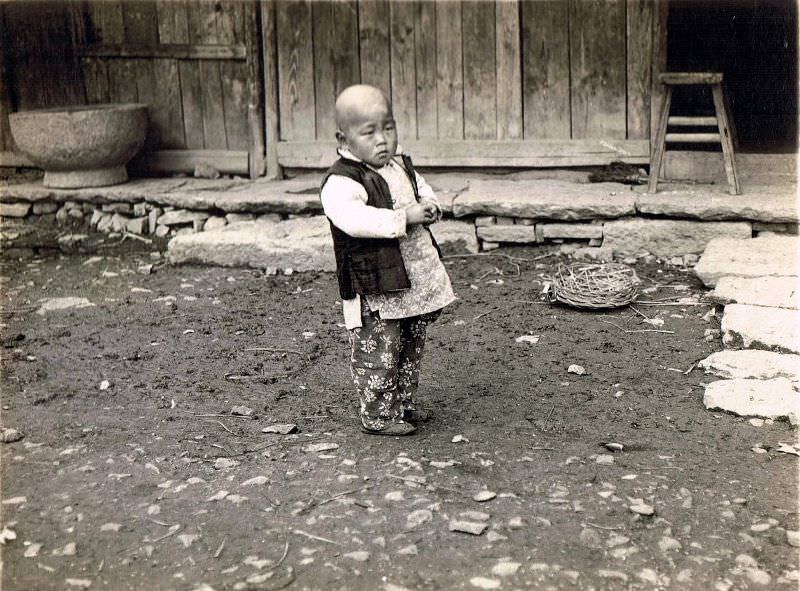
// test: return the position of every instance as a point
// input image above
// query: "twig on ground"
(638, 312)
(418, 483)
(173, 530)
(343, 494)
(300, 532)
(136, 237)
(672, 303)
(274, 350)
(549, 414)
(205, 416)
(635, 331)
(530, 302)
(606, 527)
(219, 549)
(479, 316)
(688, 371)
(221, 424)
(540, 448)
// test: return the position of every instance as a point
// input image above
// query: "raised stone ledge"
(546, 200)
(773, 205)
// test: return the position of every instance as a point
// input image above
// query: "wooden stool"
(720, 121)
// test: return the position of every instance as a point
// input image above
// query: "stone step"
(758, 327)
(545, 199)
(752, 364)
(775, 292)
(667, 238)
(767, 204)
(764, 256)
(771, 399)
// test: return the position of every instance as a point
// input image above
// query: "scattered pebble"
(9, 435)
(395, 496)
(612, 574)
(224, 463)
(105, 385)
(530, 339)
(758, 576)
(484, 583)
(615, 447)
(468, 527)
(410, 550)
(604, 459)
(188, 539)
(578, 370)
(320, 447)
(417, 518)
(281, 429)
(483, 496)
(666, 544)
(475, 515)
(82, 583)
(255, 481)
(242, 411)
(115, 527)
(32, 551)
(642, 509)
(793, 538)
(15, 501)
(358, 555)
(505, 569)
(459, 439)
(7, 534)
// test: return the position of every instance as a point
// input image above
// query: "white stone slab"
(455, 236)
(573, 231)
(762, 206)
(752, 364)
(507, 233)
(65, 303)
(776, 329)
(774, 292)
(545, 199)
(764, 256)
(302, 244)
(667, 238)
(769, 399)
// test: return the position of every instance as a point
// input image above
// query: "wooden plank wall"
(185, 58)
(470, 69)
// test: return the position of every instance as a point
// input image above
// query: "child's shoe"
(417, 415)
(396, 428)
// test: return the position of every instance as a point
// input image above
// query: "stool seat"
(685, 78)
(719, 121)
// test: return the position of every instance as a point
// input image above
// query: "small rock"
(224, 463)
(468, 527)
(666, 544)
(758, 576)
(9, 435)
(615, 447)
(483, 496)
(529, 339)
(395, 496)
(475, 515)
(615, 540)
(516, 523)
(281, 429)
(241, 411)
(417, 518)
(604, 459)
(256, 481)
(7, 534)
(576, 369)
(320, 447)
(642, 509)
(410, 550)
(459, 439)
(793, 538)
(188, 539)
(206, 171)
(82, 583)
(32, 551)
(105, 385)
(493, 536)
(746, 561)
(505, 569)
(760, 527)
(358, 555)
(68, 550)
(484, 583)
(590, 538)
(612, 574)
(115, 527)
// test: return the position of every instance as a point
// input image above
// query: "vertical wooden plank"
(234, 96)
(480, 73)
(373, 31)
(545, 69)
(597, 63)
(141, 22)
(214, 137)
(324, 41)
(109, 26)
(191, 97)
(202, 20)
(403, 76)
(95, 76)
(147, 91)
(449, 74)
(425, 25)
(658, 64)
(509, 70)
(167, 112)
(271, 100)
(6, 141)
(122, 81)
(296, 70)
(639, 16)
(249, 16)
(225, 16)
(347, 69)
(173, 21)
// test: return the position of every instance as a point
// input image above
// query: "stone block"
(524, 221)
(572, 231)
(769, 399)
(161, 231)
(545, 199)
(137, 225)
(486, 246)
(14, 210)
(75, 213)
(140, 209)
(667, 238)
(499, 233)
(276, 217)
(215, 222)
(62, 215)
(152, 218)
(455, 236)
(774, 292)
(764, 256)
(485, 220)
(198, 225)
(177, 217)
(594, 254)
(790, 229)
(104, 223)
(757, 327)
(235, 218)
(43, 207)
(97, 215)
(125, 208)
(119, 222)
(501, 220)
(752, 364)
(302, 244)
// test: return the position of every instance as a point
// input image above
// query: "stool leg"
(659, 143)
(734, 186)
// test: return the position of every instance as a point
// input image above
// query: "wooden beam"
(167, 51)
(255, 113)
(225, 161)
(544, 153)
(272, 116)
(14, 160)
(693, 138)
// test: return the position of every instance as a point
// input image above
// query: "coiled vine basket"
(594, 286)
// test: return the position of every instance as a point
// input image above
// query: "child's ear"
(340, 138)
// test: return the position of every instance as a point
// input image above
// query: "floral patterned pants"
(384, 362)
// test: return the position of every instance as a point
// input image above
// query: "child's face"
(370, 134)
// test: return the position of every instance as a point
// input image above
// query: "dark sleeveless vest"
(369, 266)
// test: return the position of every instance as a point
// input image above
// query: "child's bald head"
(365, 124)
(357, 101)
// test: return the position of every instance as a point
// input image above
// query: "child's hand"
(420, 214)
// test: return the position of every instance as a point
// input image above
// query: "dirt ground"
(152, 483)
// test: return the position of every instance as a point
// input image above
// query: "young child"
(391, 279)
